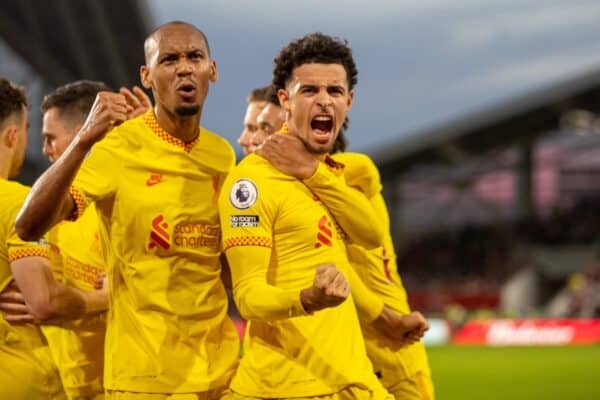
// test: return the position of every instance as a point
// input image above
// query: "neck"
(5, 163)
(184, 128)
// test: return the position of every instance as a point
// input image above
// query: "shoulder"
(12, 194)
(217, 149)
(15, 188)
(256, 167)
(252, 178)
(360, 172)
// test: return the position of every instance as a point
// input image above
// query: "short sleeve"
(98, 175)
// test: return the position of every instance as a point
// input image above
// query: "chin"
(187, 110)
(320, 148)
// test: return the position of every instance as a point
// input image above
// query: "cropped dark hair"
(314, 48)
(75, 98)
(271, 96)
(12, 99)
(258, 94)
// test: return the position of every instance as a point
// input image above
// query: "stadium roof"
(66, 40)
(516, 121)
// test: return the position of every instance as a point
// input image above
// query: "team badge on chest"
(243, 194)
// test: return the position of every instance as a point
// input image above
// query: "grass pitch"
(515, 373)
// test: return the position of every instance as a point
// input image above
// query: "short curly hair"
(74, 99)
(12, 99)
(314, 48)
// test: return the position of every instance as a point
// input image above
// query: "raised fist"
(330, 288)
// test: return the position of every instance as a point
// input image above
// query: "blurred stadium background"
(495, 207)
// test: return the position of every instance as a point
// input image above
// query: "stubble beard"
(187, 110)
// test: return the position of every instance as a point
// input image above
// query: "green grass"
(515, 373)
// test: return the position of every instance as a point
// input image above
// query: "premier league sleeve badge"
(243, 194)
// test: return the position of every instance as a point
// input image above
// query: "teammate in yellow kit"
(27, 371)
(403, 370)
(25, 274)
(155, 181)
(286, 252)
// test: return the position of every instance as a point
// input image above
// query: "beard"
(187, 110)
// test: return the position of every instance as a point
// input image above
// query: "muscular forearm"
(49, 201)
(49, 300)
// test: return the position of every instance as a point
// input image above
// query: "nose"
(324, 99)
(243, 137)
(46, 148)
(184, 67)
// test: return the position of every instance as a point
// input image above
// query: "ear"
(350, 99)
(214, 74)
(145, 77)
(284, 99)
(9, 136)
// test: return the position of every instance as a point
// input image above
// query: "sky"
(421, 62)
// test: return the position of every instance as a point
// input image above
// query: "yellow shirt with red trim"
(156, 197)
(275, 234)
(27, 368)
(377, 268)
(78, 346)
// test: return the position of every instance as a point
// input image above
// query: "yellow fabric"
(348, 393)
(275, 234)
(349, 207)
(417, 387)
(28, 371)
(215, 394)
(78, 346)
(377, 268)
(156, 197)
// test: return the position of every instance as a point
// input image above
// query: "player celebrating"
(155, 181)
(287, 256)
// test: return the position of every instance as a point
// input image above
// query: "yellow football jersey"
(78, 346)
(378, 270)
(27, 370)
(275, 234)
(156, 197)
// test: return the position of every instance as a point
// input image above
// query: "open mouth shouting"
(322, 128)
(187, 91)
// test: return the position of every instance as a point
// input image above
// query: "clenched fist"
(330, 288)
(404, 329)
(109, 110)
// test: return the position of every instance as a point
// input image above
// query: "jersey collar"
(152, 123)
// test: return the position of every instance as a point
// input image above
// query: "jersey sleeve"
(350, 207)
(18, 248)
(368, 304)
(247, 210)
(361, 173)
(98, 174)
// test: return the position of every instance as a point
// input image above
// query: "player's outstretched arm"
(49, 201)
